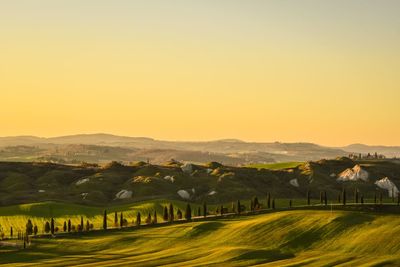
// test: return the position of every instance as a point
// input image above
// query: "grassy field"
(276, 166)
(287, 238)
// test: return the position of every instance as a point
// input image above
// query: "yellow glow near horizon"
(201, 71)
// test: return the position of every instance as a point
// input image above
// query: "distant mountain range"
(106, 147)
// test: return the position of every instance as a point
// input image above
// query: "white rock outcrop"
(354, 174)
(187, 168)
(169, 178)
(294, 182)
(41, 191)
(212, 193)
(82, 181)
(184, 194)
(124, 194)
(388, 185)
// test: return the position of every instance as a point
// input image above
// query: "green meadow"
(285, 238)
(276, 166)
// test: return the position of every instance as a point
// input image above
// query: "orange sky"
(316, 71)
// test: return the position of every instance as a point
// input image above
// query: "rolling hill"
(289, 238)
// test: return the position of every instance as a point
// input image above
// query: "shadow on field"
(262, 255)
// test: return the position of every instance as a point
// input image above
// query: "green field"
(276, 166)
(287, 238)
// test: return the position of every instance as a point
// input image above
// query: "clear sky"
(301, 70)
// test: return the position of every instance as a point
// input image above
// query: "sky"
(326, 72)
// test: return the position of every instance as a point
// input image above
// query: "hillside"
(105, 147)
(290, 238)
(214, 183)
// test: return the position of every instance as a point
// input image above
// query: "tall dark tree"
(35, 230)
(198, 212)
(148, 220)
(273, 203)
(65, 226)
(362, 199)
(121, 220)
(171, 212)
(69, 226)
(268, 200)
(308, 198)
(290, 203)
(52, 226)
(82, 225)
(392, 194)
(325, 198)
(87, 226)
(251, 205)
(138, 219)
(256, 203)
(29, 227)
(165, 215)
(239, 207)
(179, 214)
(155, 217)
(105, 220)
(11, 232)
(205, 209)
(47, 227)
(356, 195)
(398, 198)
(115, 219)
(380, 198)
(344, 196)
(375, 197)
(339, 200)
(188, 212)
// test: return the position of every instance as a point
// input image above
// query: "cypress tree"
(198, 212)
(325, 198)
(239, 207)
(155, 217)
(121, 220)
(398, 198)
(362, 199)
(87, 226)
(138, 219)
(375, 197)
(35, 230)
(47, 227)
(29, 227)
(308, 198)
(380, 198)
(356, 195)
(65, 226)
(222, 210)
(171, 212)
(165, 215)
(256, 203)
(339, 199)
(205, 209)
(11, 232)
(268, 200)
(115, 219)
(52, 226)
(82, 226)
(69, 226)
(344, 196)
(148, 220)
(290, 203)
(179, 214)
(233, 207)
(273, 203)
(188, 213)
(105, 220)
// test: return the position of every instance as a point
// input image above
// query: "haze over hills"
(106, 147)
